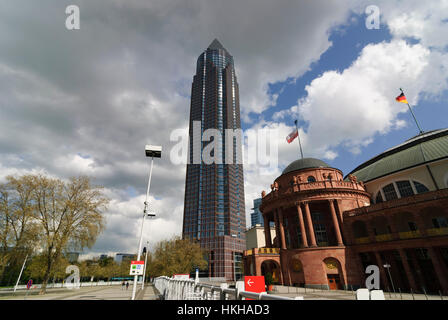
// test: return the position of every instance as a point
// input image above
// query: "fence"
(61, 285)
(172, 289)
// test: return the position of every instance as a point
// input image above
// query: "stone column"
(277, 229)
(391, 222)
(267, 232)
(420, 276)
(257, 266)
(310, 225)
(340, 217)
(302, 225)
(419, 221)
(384, 277)
(440, 269)
(335, 223)
(282, 229)
(370, 232)
(407, 269)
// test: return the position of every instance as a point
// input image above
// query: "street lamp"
(153, 152)
(387, 266)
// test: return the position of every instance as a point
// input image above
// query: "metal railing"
(174, 289)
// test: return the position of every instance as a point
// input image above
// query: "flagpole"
(410, 109)
(298, 138)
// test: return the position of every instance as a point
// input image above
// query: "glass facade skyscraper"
(256, 216)
(214, 212)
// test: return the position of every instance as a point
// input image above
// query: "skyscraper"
(214, 212)
(256, 217)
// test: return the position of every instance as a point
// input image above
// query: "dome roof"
(305, 163)
(421, 149)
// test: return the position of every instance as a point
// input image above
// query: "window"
(379, 197)
(311, 179)
(420, 187)
(405, 188)
(412, 226)
(389, 192)
(320, 230)
(440, 222)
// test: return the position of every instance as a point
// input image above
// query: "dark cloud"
(87, 101)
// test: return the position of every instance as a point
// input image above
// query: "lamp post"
(145, 250)
(153, 152)
(387, 266)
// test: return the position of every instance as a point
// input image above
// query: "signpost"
(254, 284)
(137, 268)
(180, 276)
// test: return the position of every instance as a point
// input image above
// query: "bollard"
(441, 296)
(412, 293)
(399, 290)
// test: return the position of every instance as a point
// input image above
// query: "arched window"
(311, 179)
(320, 231)
(405, 188)
(389, 192)
(379, 197)
(420, 188)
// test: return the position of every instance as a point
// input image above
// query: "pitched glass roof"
(423, 148)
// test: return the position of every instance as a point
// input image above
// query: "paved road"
(88, 293)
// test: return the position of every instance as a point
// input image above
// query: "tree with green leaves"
(175, 256)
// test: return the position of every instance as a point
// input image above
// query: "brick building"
(390, 211)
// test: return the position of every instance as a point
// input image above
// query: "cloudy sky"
(87, 101)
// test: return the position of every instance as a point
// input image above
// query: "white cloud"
(348, 108)
(88, 101)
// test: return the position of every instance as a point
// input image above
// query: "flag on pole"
(290, 138)
(401, 98)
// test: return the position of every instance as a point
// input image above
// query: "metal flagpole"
(298, 138)
(410, 109)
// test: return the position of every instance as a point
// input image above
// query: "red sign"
(137, 262)
(29, 284)
(254, 284)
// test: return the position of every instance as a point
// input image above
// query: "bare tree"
(18, 228)
(69, 215)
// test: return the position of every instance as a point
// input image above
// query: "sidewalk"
(83, 293)
(318, 294)
(148, 293)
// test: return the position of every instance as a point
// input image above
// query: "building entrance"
(334, 282)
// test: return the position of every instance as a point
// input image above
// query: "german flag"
(401, 98)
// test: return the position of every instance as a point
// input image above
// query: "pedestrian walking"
(122, 285)
(127, 285)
